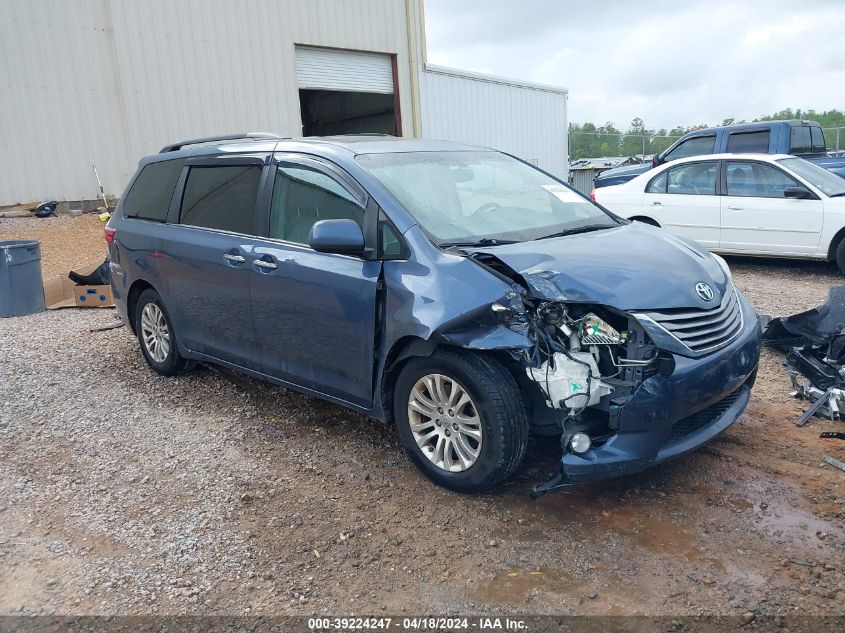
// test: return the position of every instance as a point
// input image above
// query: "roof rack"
(251, 136)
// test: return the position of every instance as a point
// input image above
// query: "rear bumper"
(668, 417)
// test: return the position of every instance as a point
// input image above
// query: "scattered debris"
(834, 462)
(822, 400)
(815, 343)
(101, 276)
(120, 323)
(87, 287)
(45, 209)
(832, 435)
(100, 185)
(18, 211)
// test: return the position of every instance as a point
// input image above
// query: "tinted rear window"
(221, 198)
(696, 146)
(746, 142)
(149, 197)
(801, 141)
(818, 140)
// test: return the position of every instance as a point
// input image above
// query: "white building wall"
(526, 120)
(106, 82)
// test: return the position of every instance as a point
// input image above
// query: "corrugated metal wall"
(523, 119)
(582, 179)
(108, 81)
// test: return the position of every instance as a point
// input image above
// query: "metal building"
(107, 81)
(524, 119)
(583, 171)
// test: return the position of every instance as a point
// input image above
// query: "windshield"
(472, 197)
(827, 182)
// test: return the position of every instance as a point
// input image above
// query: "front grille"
(703, 418)
(703, 330)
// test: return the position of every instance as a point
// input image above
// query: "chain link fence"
(601, 144)
(835, 138)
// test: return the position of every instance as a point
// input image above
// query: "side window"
(693, 179)
(149, 197)
(756, 180)
(817, 137)
(697, 146)
(221, 198)
(658, 185)
(748, 142)
(302, 196)
(800, 141)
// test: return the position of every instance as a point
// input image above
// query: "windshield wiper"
(837, 195)
(578, 229)
(486, 241)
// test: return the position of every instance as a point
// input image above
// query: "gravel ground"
(122, 492)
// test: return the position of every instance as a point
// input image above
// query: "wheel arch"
(834, 244)
(402, 351)
(409, 347)
(135, 290)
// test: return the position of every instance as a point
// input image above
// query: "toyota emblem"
(704, 291)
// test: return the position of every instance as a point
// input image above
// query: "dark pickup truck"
(799, 138)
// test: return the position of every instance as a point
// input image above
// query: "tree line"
(589, 140)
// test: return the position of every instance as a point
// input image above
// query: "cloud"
(668, 62)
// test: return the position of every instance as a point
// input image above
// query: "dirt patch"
(67, 242)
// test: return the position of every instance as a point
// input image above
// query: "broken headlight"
(596, 331)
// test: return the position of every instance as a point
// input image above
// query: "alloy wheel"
(155, 333)
(445, 423)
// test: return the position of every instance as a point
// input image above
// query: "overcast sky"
(670, 62)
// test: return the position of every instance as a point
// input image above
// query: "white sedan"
(744, 204)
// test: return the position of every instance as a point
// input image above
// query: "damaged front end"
(619, 399)
(584, 364)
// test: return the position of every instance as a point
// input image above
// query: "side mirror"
(800, 193)
(342, 237)
(655, 161)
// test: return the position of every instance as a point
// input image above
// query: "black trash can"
(21, 288)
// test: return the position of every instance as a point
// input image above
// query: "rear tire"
(156, 335)
(478, 437)
(840, 255)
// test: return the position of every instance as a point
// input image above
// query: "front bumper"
(667, 417)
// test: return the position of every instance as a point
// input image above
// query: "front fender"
(436, 298)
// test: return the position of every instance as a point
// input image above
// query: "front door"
(683, 200)
(314, 313)
(204, 255)
(756, 217)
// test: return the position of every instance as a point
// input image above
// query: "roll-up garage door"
(345, 71)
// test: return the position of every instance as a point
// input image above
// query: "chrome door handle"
(733, 208)
(265, 265)
(657, 203)
(235, 259)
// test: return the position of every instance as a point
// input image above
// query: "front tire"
(461, 419)
(156, 336)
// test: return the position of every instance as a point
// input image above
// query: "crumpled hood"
(630, 267)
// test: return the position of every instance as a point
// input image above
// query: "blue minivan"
(457, 292)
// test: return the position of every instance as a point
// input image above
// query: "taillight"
(593, 195)
(109, 232)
